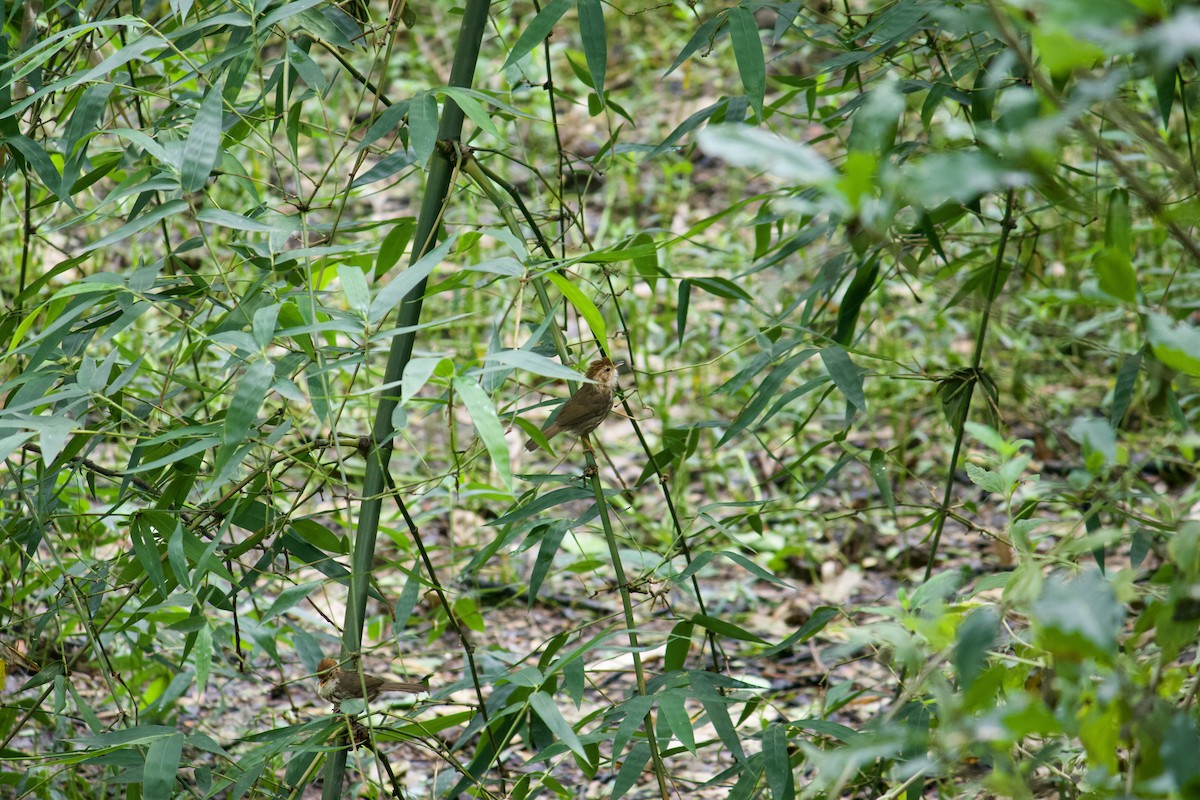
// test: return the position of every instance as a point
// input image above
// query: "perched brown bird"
(336, 684)
(588, 407)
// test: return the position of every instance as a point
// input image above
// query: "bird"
(586, 409)
(336, 684)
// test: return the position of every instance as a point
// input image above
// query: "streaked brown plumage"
(588, 407)
(336, 684)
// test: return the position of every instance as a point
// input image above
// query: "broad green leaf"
(1098, 440)
(35, 155)
(202, 657)
(488, 426)
(407, 601)
(883, 482)
(976, 635)
(238, 222)
(816, 623)
(124, 737)
(551, 540)
(469, 102)
(1078, 618)
(1174, 343)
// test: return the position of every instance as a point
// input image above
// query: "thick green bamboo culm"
(437, 194)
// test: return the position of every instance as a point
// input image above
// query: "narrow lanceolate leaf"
(595, 43)
(747, 49)
(487, 425)
(162, 762)
(202, 149)
(139, 224)
(778, 764)
(399, 288)
(543, 705)
(1123, 390)
(584, 306)
(248, 398)
(537, 31)
(845, 375)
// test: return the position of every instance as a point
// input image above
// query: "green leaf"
(354, 284)
(976, 635)
(883, 482)
(1115, 273)
(1123, 390)
(724, 628)
(547, 711)
(537, 364)
(202, 150)
(1164, 86)
(858, 291)
(595, 43)
(423, 126)
(386, 167)
(748, 51)
(243, 409)
(487, 425)
(139, 224)
(408, 599)
(679, 643)
(162, 762)
(631, 769)
(537, 30)
(35, 155)
(744, 146)
(290, 597)
(1078, 618)
(583, 304)
(401, 286)
(674, 716)
(681, 308)
(816, 623)
(846, 376)
(1174, 343)
(987, 480)
(551, 539)
(778, 765)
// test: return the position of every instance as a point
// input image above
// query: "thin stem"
(1006, 226)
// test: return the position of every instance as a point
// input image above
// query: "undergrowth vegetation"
(898, 498)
